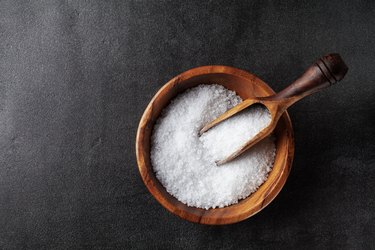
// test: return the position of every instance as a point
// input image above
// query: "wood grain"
(246, 85)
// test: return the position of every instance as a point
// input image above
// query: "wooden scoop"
(325, 72)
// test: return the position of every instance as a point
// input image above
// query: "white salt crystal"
(185, 163)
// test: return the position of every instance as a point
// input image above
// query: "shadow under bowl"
(245, 85)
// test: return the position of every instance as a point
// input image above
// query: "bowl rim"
(271, 194)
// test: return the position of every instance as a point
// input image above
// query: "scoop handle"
(325, 72)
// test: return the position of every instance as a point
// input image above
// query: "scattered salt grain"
(185, 163)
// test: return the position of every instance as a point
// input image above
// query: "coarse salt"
(185, 163)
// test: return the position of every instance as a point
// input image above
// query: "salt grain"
(185, 163)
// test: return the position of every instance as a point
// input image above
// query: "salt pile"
(185, 163)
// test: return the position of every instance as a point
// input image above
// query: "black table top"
(76, 76)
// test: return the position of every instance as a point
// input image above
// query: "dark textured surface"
(76, 76)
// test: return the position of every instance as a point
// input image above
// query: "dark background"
(76, 76)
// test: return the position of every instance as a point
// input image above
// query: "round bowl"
(245, 85)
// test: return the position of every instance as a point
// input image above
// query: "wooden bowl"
(245, 85)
